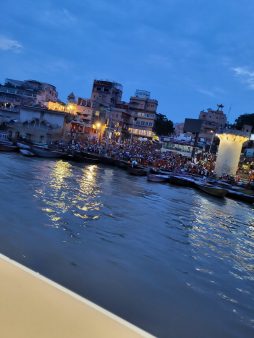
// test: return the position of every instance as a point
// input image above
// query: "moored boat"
(122, 164)
(23, 145)
(91, 160)
(46, 153)
(212, 190)
(8, 146)
(182, 180)
(137, 171)
(159, 178)
(26, 152)
(240, 196)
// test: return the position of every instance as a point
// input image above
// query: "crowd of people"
(148, 153)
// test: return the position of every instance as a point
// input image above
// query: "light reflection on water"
(178, 247)
(66, 194)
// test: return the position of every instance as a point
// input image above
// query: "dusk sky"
(190, 54)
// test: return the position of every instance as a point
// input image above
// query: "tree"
(162, 125)
(244, 119)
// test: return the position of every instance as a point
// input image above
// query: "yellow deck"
(32, 306)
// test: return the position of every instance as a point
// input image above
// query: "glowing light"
(98, 125)
(229, 153)
(56, 106)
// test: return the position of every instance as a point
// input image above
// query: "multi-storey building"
(118, 121)
(30, 92)
(142, 111)
(106, 93)
(213, 121)
(79, 114)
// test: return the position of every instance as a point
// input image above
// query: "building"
(106, 93)
(30, 93)
(79, 113)
(142, 110)
(213, 122)
(122, 119)
(178, 129)
(184, 148)
(118, 121)
(37, 124)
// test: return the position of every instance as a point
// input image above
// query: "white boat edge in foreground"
(20, 283)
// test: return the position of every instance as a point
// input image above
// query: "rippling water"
(171, 260)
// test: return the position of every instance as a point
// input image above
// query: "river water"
(171, 260)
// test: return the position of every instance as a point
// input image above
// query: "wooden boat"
(75, 156)
(46, 153)
(106, 160)
(100, 158)
(240, 196)
(137, 171)
(122, 164)
(8, 146)
(212, 190)
(91, 160)
(184, 181)
(26, 152)
(160, 171)
(23, 145)
(157, 178)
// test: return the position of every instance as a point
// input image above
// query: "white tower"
(229, 152)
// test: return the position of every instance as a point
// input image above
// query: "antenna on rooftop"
(220, 106)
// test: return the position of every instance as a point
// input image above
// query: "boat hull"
(137, 171)
(26, 152)
(157, 178)
(8, 147)
(240, 196)
(182, 181)
(212, 190)
(23, 145)
(46, 153)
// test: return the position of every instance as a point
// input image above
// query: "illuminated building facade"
(78, 115)
(142, 111)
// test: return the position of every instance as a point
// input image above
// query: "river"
(171, 260)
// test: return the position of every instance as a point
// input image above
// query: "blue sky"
(191, 54)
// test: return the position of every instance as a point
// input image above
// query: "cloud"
(7, 44)
(245, 75)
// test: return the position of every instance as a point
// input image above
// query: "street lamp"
(97, 125)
